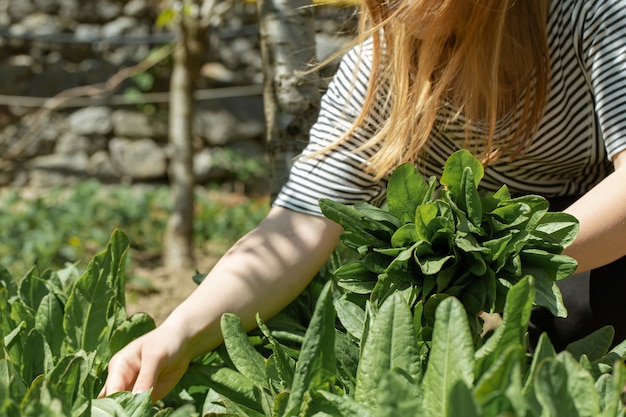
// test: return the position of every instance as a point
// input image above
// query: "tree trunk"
(187, 59)
(291, 100)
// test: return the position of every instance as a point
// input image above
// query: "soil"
(156, 290)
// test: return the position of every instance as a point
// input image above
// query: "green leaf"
(462, 402)
(356, 278)
(469, 200)
(398, 395)
(137, 325)
(123, 404)
(85, 319)
(445, 277)
(562, 227)
(237, 388)
(213, 405)
(118, 251)
(6, 281)
(10, 381)
(548, 295)
(351, 316)
(378, 214)
(538, 208)
(406, 190)
(336, 405)
(188, 410)
(71, 382)
(512, 330)
(244, 356)
(96, 300)
(32, 360)
(12, 333)
(424, 215)
(509, 215)
(491, 201)
(544, 351)
(358, 229)
(515, 391)
(316, 366)
(347, 351)
(540, 263)
(474, 295)
(610, 389)
(606, 362)
(395, 280)
(495, 380)
(390, 344)
(431, 305)
(20, 312)
(451, 357)
(452, 176)
(48, 322)
(32, 288)
(377, 262)
(594, 345)
(497, 246)
(565, 389)
(38, 401)
(284, 364)
(405, 236)
(432, 265)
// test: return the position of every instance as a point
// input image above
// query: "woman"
(536, 89)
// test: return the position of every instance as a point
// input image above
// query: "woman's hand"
(156, 360)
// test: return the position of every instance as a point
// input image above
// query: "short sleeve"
(604, 56)
(338, 174)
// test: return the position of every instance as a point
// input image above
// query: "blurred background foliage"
(70, 224)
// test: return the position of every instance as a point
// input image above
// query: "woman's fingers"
(147, 363)
(122, 376)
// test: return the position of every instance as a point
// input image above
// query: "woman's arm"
(602, 216)
(262, 272)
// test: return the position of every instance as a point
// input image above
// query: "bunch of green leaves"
(56, 338)
(435, 240)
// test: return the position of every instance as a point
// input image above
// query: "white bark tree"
(291, 100)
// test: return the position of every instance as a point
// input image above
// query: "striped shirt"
(583, 127)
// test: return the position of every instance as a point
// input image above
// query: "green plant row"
(392, 374)
(55, 343)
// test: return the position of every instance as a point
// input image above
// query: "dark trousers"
(593, 299)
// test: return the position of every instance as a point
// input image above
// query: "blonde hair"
(482, 57)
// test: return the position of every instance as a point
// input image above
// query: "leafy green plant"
(397, 375)
(56, 338)
(433, 241)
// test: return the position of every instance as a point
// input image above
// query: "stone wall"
(51, 46)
